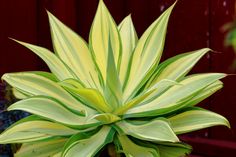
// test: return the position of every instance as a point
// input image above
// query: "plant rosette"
(110, 91)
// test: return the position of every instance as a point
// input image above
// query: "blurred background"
(194, 24)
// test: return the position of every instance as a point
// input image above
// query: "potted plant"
(111, 92)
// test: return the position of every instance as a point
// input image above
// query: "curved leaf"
(34, 130)
(158, 89)
(113, 88)
(102, 29)
(177, 67)
(71, 83)
(47, 75)
(133, 150)
(132, 103)
(174, 149)
(205, 93)
(107, 118)
(156, 130)
(175, 97)
(146, 96)
(88, 146)
(147, 54)
(19, 94)
(57, 67)
(53, 110)
(73, 50)
(89, 96)
(38, 85)
(196, 119)
(41, 149)
(129, 40)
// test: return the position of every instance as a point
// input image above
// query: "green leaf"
(41, 86)
(147, 54)
(195, 119)
(174, 149)
(157, 130)
(113, 89)
(146, 96)
(106, 47)
(131, 149)
(107, 118)
(19, 94)
(56, 66)
(177, 67)
(52, 110)
(30, 130)
(132, 103)
(88, 146)
(47, 75)
(41, 149)
(73, 50)
(88, 96)
(103, 28)
(158, 89)
(71, 83)
(205, 93)
(129, 40)
(175, 97)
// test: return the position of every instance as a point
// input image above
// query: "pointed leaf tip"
(104, 37)
(74, 52)
(196, 119)
(129, 40)
(147, 54)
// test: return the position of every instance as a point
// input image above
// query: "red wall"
(194, 24)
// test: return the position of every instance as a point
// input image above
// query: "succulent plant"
(110, 91)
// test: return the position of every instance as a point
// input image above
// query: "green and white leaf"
(196, 119)
(175, 97)
(177, 67)
(71, 83)
(18, 94)
(129, 41)
(205, 93)
(34, 130)
(80, 145)
(41, 149)
(147, 54)
(74, 52)
(174, 149)
(106, 118)
(157, 130)
(103, 28)
(51, 109)
(131, 149)
(57, 67)
(146, 96)
(41, 86)
(113, 88)
(89, 96)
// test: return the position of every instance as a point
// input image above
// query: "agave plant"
(112, 91)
